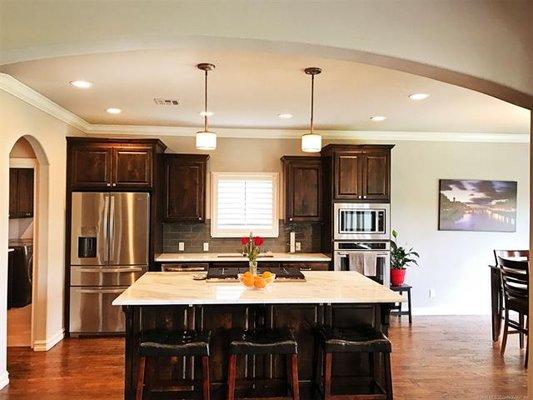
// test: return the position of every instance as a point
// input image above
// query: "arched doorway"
(26, 315)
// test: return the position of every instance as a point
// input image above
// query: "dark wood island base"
(256, 375)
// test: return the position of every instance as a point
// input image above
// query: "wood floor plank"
(435, 358)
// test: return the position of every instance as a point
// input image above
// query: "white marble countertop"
(224, 257)
(178, 288)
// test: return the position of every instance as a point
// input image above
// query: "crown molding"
(251, 133)
(30, 96)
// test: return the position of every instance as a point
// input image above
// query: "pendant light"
(205, 139)
(312, 142)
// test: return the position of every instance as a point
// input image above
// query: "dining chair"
(515, 280)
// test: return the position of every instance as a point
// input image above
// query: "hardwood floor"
(436, 358)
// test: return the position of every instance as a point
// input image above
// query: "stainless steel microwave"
(361, 221)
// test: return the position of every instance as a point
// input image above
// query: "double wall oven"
(362, 239)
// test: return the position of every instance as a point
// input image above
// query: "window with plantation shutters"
(243, 203)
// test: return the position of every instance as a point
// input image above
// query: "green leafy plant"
(400, 257)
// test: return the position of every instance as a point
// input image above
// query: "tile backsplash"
(195, 234)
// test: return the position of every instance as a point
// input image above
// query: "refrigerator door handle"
(106, 229)
(101, 290)
(111, 241)
(113, 270)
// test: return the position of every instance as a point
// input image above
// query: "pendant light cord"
(205, 102)
(312, 100)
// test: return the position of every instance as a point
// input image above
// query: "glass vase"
(252, 267)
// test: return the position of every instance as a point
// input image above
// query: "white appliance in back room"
(109, 251)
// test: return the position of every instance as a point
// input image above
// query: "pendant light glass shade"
(206, 140)
(311, 143)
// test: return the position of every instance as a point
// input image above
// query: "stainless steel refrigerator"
(109, 251)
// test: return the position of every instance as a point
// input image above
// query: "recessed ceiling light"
(113, 110)
(378, 118)
(285, 116)
(207, 113)
(81, 84)
(418, 96)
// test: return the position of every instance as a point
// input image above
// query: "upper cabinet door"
(376, 175)
(90, 166)
(21, 192)
(303, 188)
(185, 181)
(132, 167)
(348, 175)
(25, 192)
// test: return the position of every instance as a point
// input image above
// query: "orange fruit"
(259, 282)
(267, 274)
(248, 280)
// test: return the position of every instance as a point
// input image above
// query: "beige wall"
(454, 264)
(47, 136)
(22, 149)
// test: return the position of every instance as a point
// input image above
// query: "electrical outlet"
(206, 246)
(432, 293)
(298, 246)
(181, 246)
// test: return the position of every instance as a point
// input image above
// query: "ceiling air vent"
(166, 102)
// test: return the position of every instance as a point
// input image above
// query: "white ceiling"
(249, 90)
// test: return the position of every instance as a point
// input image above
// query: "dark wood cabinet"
(132, 166)
(184, 187)
(107, 164)
(303, 188)
(376, 174)
(91, 166)
(359, 173)
(21, 193)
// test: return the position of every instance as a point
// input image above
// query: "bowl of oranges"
(260, 281)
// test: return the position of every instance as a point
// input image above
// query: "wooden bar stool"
(264, 342)
(398, 308)
(174, 344)
(364, 339)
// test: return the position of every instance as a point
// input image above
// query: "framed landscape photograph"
(475, 205)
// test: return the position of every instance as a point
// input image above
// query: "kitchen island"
(174, 301)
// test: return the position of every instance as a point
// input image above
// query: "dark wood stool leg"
(521, 335)
(327, 375)
(505, 331)
(141, 366)
(232, 372)
(294, 377)
(206, 383)
(388, 375)
(371, 367)
(316, 366)
(409, 304)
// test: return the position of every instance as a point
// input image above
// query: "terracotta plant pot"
(397, 276)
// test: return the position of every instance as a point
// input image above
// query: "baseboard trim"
(45, 345)
(445, 311)
(4, 379)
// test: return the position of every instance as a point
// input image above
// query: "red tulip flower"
(258, 241)
(245, 240)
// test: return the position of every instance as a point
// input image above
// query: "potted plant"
(400, 259)
(251, 247)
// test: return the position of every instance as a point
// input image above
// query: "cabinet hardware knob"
(290, 219)
(200, 218)
(108, 184)
(114, 184)
(364, 197)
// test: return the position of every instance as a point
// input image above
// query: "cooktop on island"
(229, 274)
